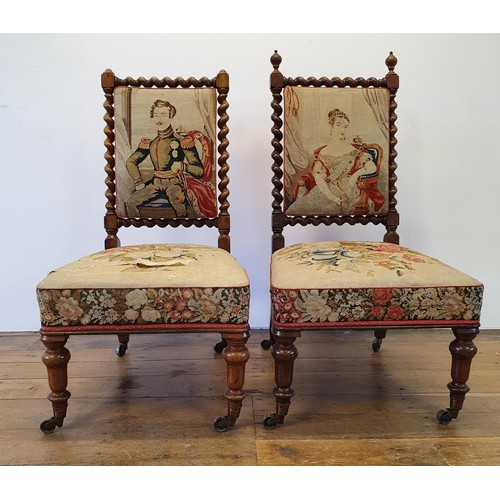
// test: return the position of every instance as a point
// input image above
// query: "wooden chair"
(334, 163)
(163, 140)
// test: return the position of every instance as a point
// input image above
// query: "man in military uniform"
(174, 155)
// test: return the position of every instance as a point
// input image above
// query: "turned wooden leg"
(236, 355)
(56, 358)
(462, 350)
(123, 339)
(284, 353)
(377, 342)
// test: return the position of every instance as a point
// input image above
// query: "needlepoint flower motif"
(131, 315)
(207, 308)
(381, 295)
(150, 315)
(377, 312)
(136, 299)
(453, 304)
(395, 312)
(413, 258)
(314, 305)
(68, 309)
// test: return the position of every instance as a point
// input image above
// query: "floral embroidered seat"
(163, 143)
(334, 163)
(147, 286)
(355, 284)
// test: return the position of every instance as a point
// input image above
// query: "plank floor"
(156, 405)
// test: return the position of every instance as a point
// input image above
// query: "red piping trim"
(114, 328)
(378, 324)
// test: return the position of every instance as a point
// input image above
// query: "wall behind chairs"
(51, 132)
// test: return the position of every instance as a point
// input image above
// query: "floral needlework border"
(88, 307)
(376, 305)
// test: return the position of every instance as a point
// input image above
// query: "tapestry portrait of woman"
(336, 151)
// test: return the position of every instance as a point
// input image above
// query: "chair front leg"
(284, 353)
(56, 358)
(462, 350)
(236, 355)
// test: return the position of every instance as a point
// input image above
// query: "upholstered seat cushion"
(366, 283)
(147, 285)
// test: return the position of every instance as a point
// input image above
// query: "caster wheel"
(48, 426)
(121, 350)
(220, 346)
(271, 421)
(266, 344)
(444, 416)
(222, 424)
(376, 344)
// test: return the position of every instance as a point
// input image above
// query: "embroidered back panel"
(165, 141)
(336, 151)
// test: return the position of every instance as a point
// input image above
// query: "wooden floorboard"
(156, 405)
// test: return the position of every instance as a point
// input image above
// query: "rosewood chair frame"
(282, 340)
(234, 337)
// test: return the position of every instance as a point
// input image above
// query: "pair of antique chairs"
(334, 163)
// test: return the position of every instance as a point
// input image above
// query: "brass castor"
(376, 344)
(444, 416)
(222, 424)
(48, 426)
(220, 346)
(272, 421)
(121, 350)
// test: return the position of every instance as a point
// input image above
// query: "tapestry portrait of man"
(165, 158)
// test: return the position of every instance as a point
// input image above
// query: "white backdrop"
(51, 133)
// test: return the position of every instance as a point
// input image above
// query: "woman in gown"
(342, 177)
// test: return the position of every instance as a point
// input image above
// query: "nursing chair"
(166, 164)
(334, 163)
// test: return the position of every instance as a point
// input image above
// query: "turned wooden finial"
(277, 79)
(276, 60)
(391, 61)
(222, 79)
(392, 78)
(107, 79)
